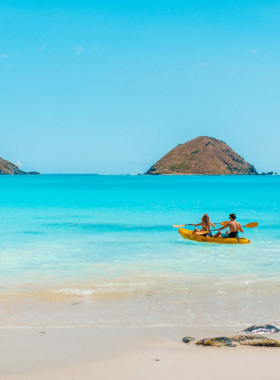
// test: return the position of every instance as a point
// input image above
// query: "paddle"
(201, 232)
(206, 231)
(249, 225)
(183, 225)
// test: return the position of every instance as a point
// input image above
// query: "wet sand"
(130, 353)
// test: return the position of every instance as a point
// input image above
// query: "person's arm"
(212, 224)
(241, 229)
(199, 224)
(224, 227)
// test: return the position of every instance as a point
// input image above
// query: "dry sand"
(130, 353)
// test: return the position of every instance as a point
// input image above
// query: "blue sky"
(111, 86)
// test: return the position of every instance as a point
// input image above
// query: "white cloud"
(4, 55)
(79, 49)
(140, 162)
(42, 47)
(253, 51)
(19, 164)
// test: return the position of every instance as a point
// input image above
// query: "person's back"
(234, 226)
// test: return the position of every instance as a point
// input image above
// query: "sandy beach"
(130, 353)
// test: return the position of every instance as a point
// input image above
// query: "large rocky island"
(203, 155)
(7, 167)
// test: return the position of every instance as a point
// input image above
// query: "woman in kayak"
(205, 225)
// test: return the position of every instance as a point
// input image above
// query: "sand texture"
(130, 353)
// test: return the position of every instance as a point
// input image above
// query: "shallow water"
(109, 240)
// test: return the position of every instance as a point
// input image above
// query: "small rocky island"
(8, 168)
(269, 173)
(203, 155)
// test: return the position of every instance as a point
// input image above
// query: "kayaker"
(234, 228)
(205, 225)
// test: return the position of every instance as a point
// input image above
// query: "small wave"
(33, 232)
(98, 287)
(77, 292)
(108, 227)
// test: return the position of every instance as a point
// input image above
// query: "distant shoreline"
(146, 175)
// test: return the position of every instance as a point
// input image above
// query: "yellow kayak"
(187, 234)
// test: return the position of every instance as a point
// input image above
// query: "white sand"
(130, 353)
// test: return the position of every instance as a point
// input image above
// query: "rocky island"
(203, 155)
(7, 167)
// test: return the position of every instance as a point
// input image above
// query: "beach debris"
(156, 360)
(266, 329)
(217, 342)
(42, 332)
(188, 339)
(256, 340)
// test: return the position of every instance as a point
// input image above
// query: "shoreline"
(142, 312)
(130, 353)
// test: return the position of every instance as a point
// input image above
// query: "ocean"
(92, 250)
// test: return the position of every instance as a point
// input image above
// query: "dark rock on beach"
(266, 329)
(257, 340)
(188, 339)
(217, 342)
(242, 340)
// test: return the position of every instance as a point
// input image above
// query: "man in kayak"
(234, 228)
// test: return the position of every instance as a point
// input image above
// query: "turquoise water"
(111, 237)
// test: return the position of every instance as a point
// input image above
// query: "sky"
(109, 87)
